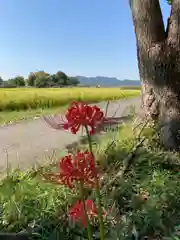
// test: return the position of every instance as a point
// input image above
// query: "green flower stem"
(100, 212)
(90, 236)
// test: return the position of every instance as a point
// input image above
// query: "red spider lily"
(82, 114)
(77, 213)
(76, 118)
(80, 168)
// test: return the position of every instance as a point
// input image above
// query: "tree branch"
(148, 22)
(174, 24)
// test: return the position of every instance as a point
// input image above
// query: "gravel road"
(26, 143)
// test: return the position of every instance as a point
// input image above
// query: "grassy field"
(21, 99)
(145, 199)
(24, 103)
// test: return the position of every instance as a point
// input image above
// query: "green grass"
(145, 199)
(7, 117)
(131, 87)
(155, 175)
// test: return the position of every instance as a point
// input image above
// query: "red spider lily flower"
(77, 213)
(80, 167)
(81, 114)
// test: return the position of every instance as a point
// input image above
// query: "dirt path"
(27, 142)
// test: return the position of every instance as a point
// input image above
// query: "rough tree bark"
(158, 52)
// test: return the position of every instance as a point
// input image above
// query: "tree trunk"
(158, 53)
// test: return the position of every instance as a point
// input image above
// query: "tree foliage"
(31, 79)
(42, 79)
(18, 81)
(1, 82)
(73, 81)
(169, 2)
(62, 77)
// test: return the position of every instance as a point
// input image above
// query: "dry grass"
(31, 98)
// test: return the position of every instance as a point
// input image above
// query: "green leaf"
(169, 2)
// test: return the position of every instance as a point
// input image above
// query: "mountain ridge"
(107, 81)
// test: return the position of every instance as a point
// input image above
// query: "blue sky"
(79, 37)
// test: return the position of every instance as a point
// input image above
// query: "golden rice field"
(33, 98)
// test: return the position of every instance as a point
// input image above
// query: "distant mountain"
(107, 81)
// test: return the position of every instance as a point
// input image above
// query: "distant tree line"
(40, 79)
